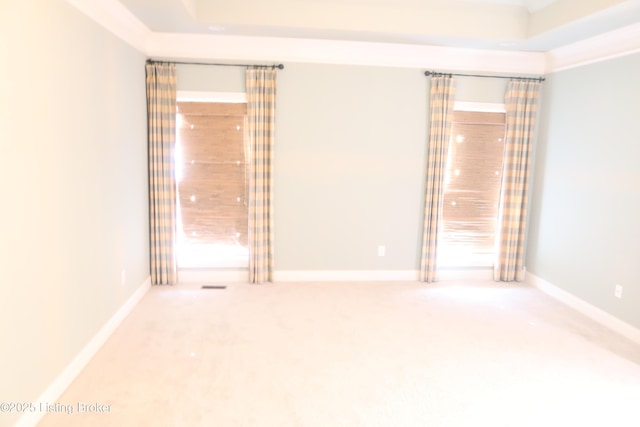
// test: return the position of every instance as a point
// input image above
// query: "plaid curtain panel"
(521, 104)
(161, 114)
(441, 102)
(261, 104)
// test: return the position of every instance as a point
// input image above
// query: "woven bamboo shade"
(472, 183)
(214, 187)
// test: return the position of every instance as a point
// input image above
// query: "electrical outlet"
(618, 291)
(123, 277)
(381, 250)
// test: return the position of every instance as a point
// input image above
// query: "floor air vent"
(213, 287)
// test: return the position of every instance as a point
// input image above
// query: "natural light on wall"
(472, 186)
(211, 175)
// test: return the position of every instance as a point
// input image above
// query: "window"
(211, 174)
(472, 188)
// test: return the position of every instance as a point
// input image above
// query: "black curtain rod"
(278, 66)
(436, 74)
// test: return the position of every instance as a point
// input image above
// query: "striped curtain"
(521, 105)
(261, 104)
(161, 114)
(441, 108)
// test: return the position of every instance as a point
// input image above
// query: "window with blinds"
(211, 173)
(472, 189)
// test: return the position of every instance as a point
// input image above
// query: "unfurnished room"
(315, 213)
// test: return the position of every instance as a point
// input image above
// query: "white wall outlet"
(618, 291)
(123, 277)
(381, 250)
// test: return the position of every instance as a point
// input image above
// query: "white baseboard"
(60, 384)
(378, 275)
(476, 274)
(213, 275)
(585, 308)
(344, 275)
(189, 276)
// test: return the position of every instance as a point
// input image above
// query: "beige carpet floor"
(358, 354)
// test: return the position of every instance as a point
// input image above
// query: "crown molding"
(112, 15)
(613, 44)
(277, 49)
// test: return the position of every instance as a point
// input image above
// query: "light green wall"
(74, 179)
(350, 164)
(349, 167)
(207, 78)
(584, 230)
(484, 90)
(349, 160)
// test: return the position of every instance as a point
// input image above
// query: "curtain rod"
(436, 74)
(278, 66)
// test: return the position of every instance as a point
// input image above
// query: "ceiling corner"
(113, 16)
(613, 44)
(117, 19)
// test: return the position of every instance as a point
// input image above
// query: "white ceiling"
(531, 5)
(511, 25)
